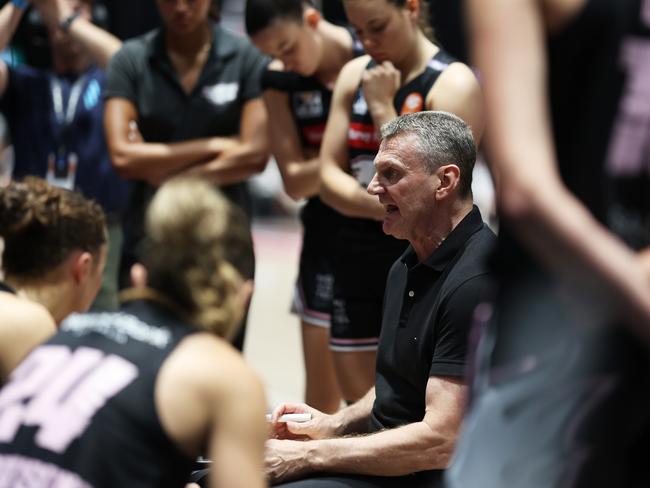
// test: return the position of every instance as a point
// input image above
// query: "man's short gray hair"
(441, 138)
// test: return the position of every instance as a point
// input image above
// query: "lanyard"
(65, 116)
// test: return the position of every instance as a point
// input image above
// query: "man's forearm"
(342, 192)
(355, 419)
(408, 449)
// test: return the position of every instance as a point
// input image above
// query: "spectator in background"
(55, 117)
(185, 99)
(55, 251)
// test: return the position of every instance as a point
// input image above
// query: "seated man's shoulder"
(474, 258)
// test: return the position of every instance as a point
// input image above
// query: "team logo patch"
(313, 134)
(308, 104)
(412, 103)
(363, 136)
(221, 93)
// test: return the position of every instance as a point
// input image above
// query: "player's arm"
(208, 398)
(300, 173)
(338, 188)
(457, 91)
(24, 326)
(509, 42)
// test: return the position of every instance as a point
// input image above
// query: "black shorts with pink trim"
(364, 255)
(312, 299)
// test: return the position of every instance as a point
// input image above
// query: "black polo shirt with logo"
(142, 73)
(428, 310)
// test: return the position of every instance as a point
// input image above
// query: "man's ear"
(138, 276)
(311, 16)
(81, 266)
(449, 176)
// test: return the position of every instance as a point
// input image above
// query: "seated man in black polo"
(402, 433)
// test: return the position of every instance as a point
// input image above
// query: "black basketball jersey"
(79, 410)
(627, 162)
(363, 136)
(309, 103)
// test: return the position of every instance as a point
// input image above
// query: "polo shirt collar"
(222, 45)
(445, 253)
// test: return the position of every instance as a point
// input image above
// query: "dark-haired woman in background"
(309, 52)
(131, 398)
(54, 256)
(403, 72)
(185, 99)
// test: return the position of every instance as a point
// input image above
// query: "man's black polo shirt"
(142, 73)
(428, 310)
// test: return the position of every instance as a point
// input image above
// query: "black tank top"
(309, 103)
(80, 408)
(363, 136)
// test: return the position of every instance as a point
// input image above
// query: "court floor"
(273, 345)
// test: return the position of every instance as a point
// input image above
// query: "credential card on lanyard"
(62, 163)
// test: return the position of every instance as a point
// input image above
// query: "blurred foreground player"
(132, 398)
(560, 395)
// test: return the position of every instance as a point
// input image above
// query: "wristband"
(65, 24)
(21, 4)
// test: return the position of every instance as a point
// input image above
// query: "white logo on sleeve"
(221, 93)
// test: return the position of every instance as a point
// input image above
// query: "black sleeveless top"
(309, 103)
(86, 408)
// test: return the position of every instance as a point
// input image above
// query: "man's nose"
(374, 188)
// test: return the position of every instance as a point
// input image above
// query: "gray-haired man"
(406, 426)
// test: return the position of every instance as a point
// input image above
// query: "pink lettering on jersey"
(30, 376)
(629, 151)
(59, 392)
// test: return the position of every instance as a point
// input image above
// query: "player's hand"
(380, 84)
